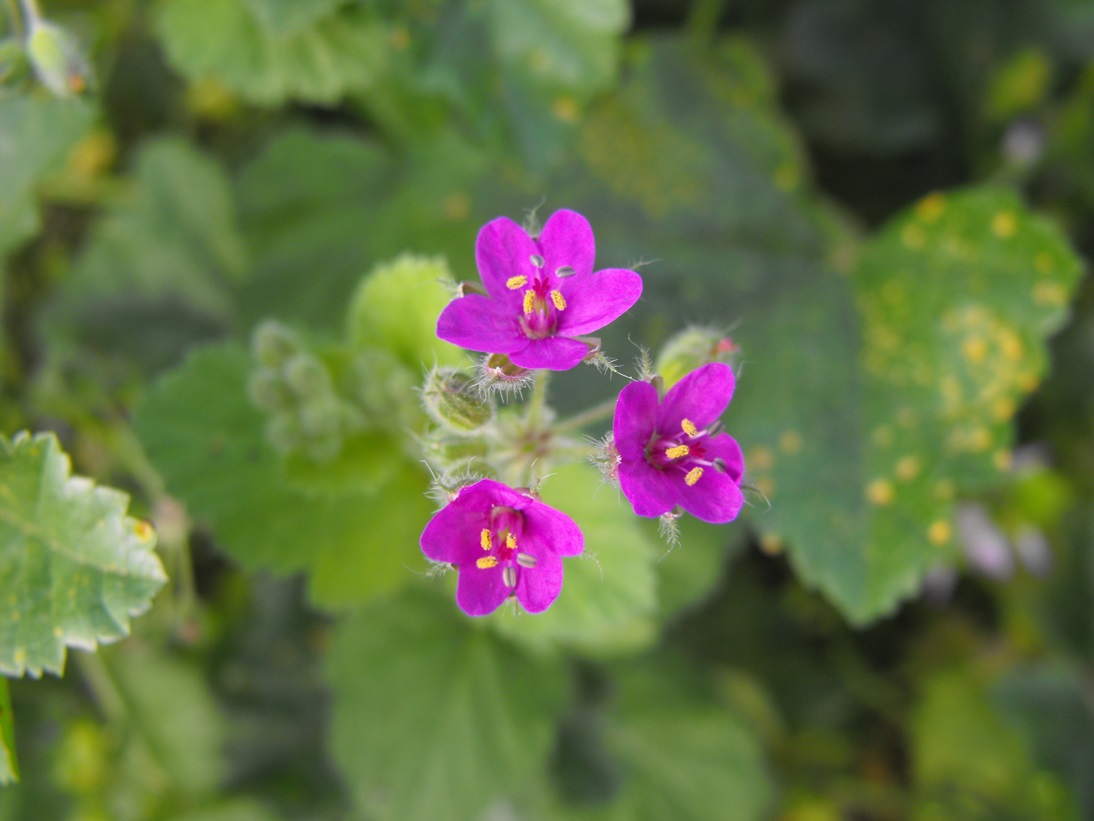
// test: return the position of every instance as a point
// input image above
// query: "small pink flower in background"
(542, 294)
(673, 452)
(503, 543)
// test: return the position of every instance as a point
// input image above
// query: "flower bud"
(321, 417)
(268, 391)
(692, 348)
(56, 59)
(273, 343)
(307, 376)
(453, 402)
(498, 373)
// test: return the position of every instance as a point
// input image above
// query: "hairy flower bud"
(274, 344)
(691, 349)
(268, 391)
(497, 373)
(452, 400)
(307, 376)
(57, 59)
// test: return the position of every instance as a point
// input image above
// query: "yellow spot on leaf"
(1004, 224)
(880, 492)
(58, 632)
(516, 282)
(564, 108)
(485, 539)
(939, 532)
(677, 452)
(1002, 408)
(975, 349)
(1049, 293)
(693, 476)
(913, 236)
(760, 458)
(143, 530)
(399, 38)
(790, 441)
(486, 562)
(931, 207)
(907, 468)
(772, 544)
(689, 428)
(1002, 459)
(20, 656)
(456, 206)
(1011, 345)
(558, 299)
(529, 301)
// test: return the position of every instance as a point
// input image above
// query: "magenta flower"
(675, 453)
(542, 294)
(503, 543)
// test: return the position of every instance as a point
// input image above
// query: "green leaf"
(609, 593)
(203, 434)
(270, 57)
(74, 567)
(681, 754)
(9, 765)
(863, 452)
(36, 133)
(396, 308)
(175, 238)
(289, 17)
(171, 714)
(432, 716)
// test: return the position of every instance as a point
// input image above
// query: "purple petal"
(555, 353)
(480, 591)
(547, 530)
(539, 586)
(725, 447)
(503, 250)
(648, 489)
(480, 324)
(635, 417)
(453, 534)
(715, 498)
(595, 300)
(701, 397)
(567, 240)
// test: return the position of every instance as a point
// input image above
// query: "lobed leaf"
(73, 566)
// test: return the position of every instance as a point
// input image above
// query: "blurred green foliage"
(224, 242)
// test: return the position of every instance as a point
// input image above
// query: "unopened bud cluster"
(295, 388)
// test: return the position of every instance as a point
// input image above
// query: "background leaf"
(462, 721)
(9, 764)
(74, 565)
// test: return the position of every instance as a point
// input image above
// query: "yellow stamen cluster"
(529, 301)
(516, 282)
(510, 541)
(693, 476)
(689, 428)
(486, 562)
(678, 452)
(558, 299)
(485, 540)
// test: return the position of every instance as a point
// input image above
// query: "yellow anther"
(678, 452)
(485, 540)
(693, 476)
(486, 562)
(516, 282)
(529, 301)
(558, 299)
(510, 541)
(689, 428)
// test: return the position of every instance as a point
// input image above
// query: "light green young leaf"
(9, 765)
(35, 135)
(609, 594)
(863, 454)
(73, 567)
(318, 60)
(203, 434)
(432, 716)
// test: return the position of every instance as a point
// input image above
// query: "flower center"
(499, 542)
(684, 451)
(541, 303)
